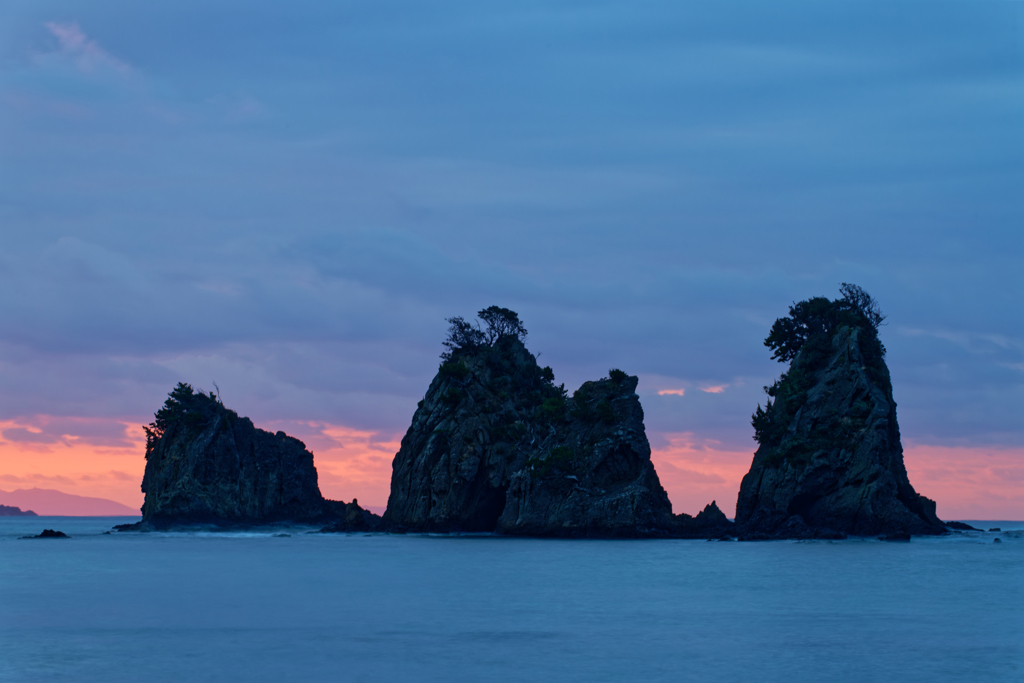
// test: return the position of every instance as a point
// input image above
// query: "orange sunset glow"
(967, 482)
(109, 464)
(350, 463)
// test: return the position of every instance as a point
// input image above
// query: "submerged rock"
(496, 446)
(207, 465)
(830, 458)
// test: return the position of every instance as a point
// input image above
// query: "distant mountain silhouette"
(51, 502)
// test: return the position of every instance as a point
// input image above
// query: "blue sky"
(289, 198)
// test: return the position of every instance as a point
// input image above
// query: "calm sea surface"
(253, 607)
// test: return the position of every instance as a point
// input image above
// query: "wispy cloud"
(114, 475)
(968, 482)
(695, 470)
(27, 435)
(37, 479)
(350, 462)
(85, 52)
(974, 342)
(672, 392)
(715, 389)
(68, 431)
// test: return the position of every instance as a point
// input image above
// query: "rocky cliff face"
(495, 446)
(466, 440)
(206, 464)
(588, 471)
(830, 460)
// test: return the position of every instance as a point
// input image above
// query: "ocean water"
(311, 607)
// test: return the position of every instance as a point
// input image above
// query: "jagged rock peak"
(495, 445)
(205, 464)
(829, 460)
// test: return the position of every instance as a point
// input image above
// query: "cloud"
(85, 53)
(715, 389)
(648, 189)
(968, 482)
(23, 435)
(681, 474)
(695, 470)
(108, 476)
(973, 342)
(671, 392)
(37, 479)
(69, 431)
(350, 462)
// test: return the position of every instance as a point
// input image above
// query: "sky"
(286, 200)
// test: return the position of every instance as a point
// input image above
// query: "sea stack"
(205, 464)
(829, 460)
(496, 446)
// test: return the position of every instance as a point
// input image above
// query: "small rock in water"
(282, 535)
(49, 533)
(896, 536)
(997, 540)
(995, 529)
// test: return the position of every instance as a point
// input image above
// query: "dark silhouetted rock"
(496, 446)
(710, 522)
(588, 471)
(995, 529)
(997, 540)
(960, 526)
(354, 518)
(12, 511)
(206, 465)
(830, 459)
(49, 533)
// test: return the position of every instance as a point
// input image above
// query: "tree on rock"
(501, 322)
(464, 336)
(863, 303)
(182, 403)
(829, 459)
(818, 318)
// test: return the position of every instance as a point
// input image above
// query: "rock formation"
(710, 522)
(47, 533)
(588, 470)
(13, 511)
(496, 446)
(353, 518)
(204, 464)
(830, 461)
